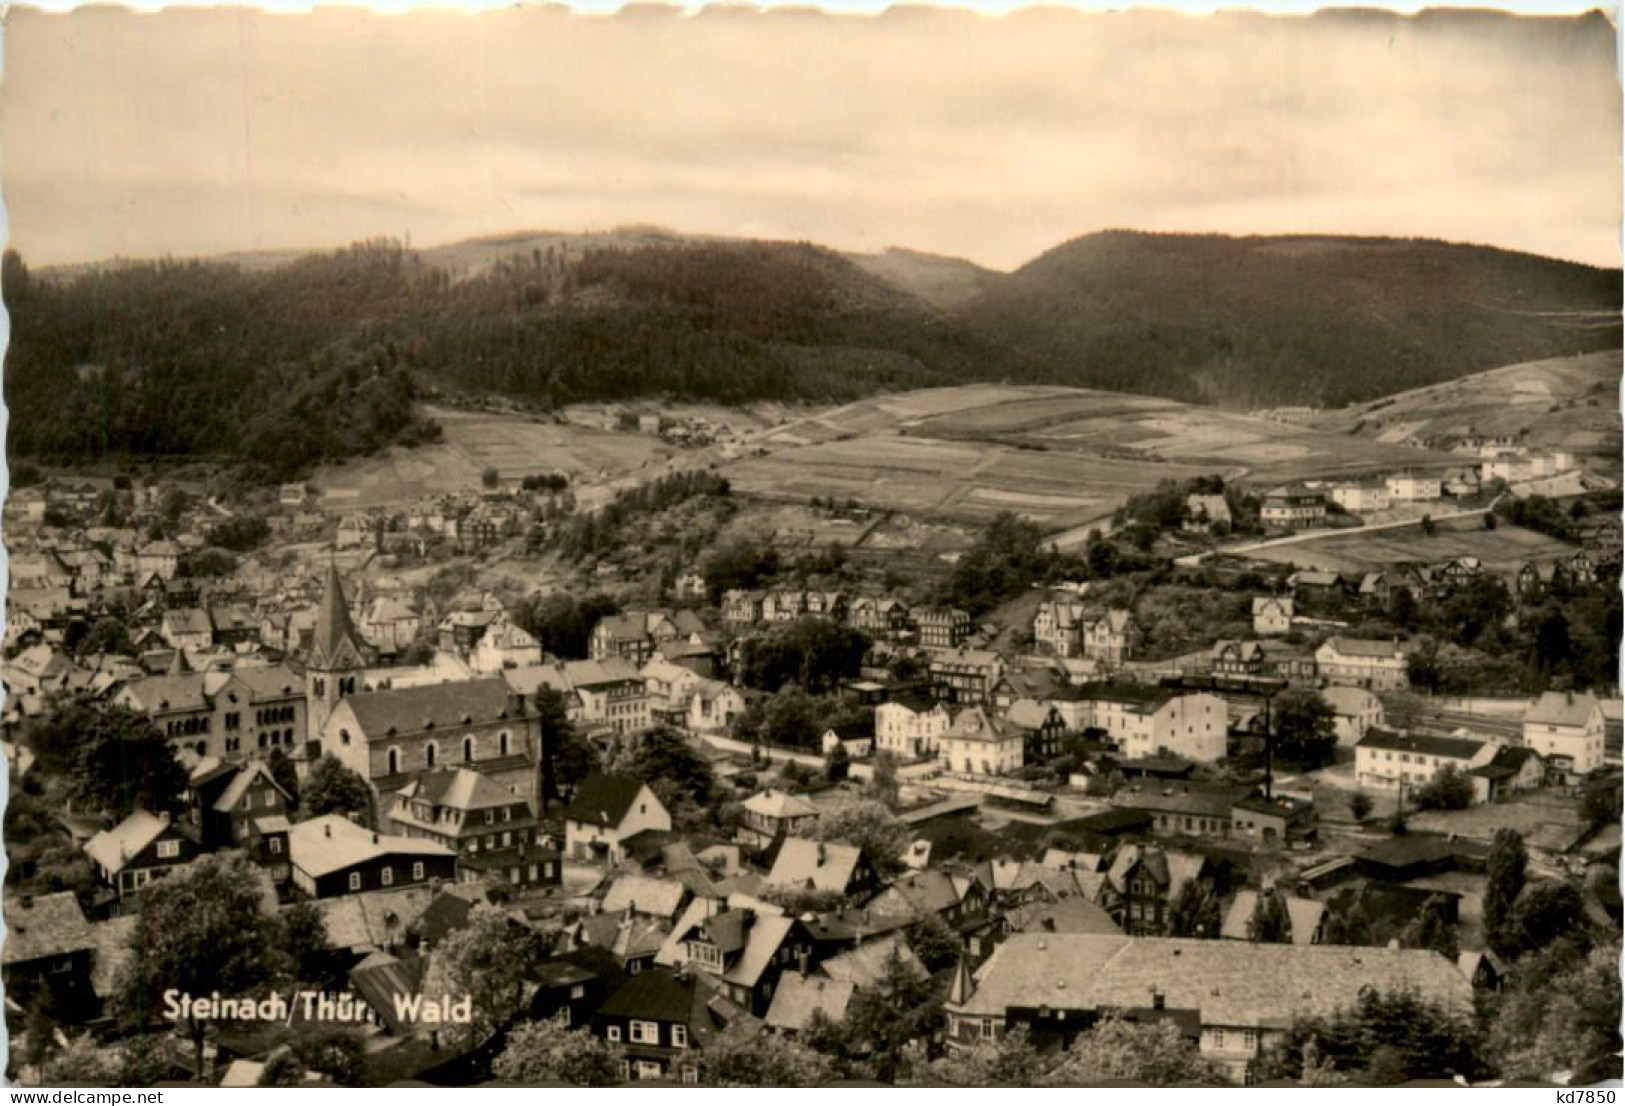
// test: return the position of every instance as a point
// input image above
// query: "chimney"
(1159, 1001)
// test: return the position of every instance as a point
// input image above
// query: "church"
(388, 735)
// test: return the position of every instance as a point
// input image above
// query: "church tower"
(337, 656)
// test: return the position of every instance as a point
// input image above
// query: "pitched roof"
(243, 780)
(658, 994)
(1455, 748)
(333, 627)
(1358, 647)
(603, 800)
(46, 925)
(799, 996)
(113, 848)
(1303, 916)
(1558, 708)
(590, 674)
(459, 789)
(1231, 983)
(645, 895)
(431, 706)
(779, 804)
(823, 866)
(865, 965)
(1072, 914)
(333, 843)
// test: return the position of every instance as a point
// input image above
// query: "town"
(703, 803)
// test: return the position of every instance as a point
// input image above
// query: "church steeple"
(337, 654)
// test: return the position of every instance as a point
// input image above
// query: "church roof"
(333, 627)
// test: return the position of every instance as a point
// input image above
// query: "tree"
(1560, 1013)
(762, 1060)
(837, 763)
(1195, 911)
(1360, 806)
(1432, 929)
(1270, 923)
(882, 785)
(123, 761)
(1348, 922)
(1007, 559)
(554, 731)
(332, 788)
(285, 773)
(937, 946)
(672, 767)
(106, 635)
(200, 930)
(1449, 789)
(81, 1063)
(1156, 1054)
(1386, 1037)
(312, 960)
(489, 960)
(1429, 527)
(1504, 875)
(1543, 914)
(1008, 1061)
(789, 720)
(490, 478)
(1305, 728)
(547, 1052)
(869, 826)
(888, 1022)
(283, 1069)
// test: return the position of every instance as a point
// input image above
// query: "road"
(1318, 535)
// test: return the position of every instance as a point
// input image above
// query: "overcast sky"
(993, 138)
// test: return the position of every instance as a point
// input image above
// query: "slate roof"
(658, 994)
(603, 800)
(645, 895)
(823, 866)
(50, 925)
(333, 843)
(799, 996)
(459, 789)
(865, 965)
(602, 673)
(1231, 983)
(779, 804)
(1455, 748)
(1072, 914)
(1556, 708)
(113, 848)
(405, 710)
(1304, 917)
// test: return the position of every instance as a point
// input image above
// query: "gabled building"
(1292, 507)
(240, 806)
(745, 950)
(1567, 730)
(660, 1018)
(965, 675)
(942, 627)
(138, 850)
(1272, 615)
(1306, 918)
(1142, 884)
(332, 856)
(1384, 759)
(612, 693)
(911, 726)
(492, 830)
(768, 814)
(1374, 665)
(605, 813)
(504, 645)
(49, 956)
(827, 866)
(980, 744)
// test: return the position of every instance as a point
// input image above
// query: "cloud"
(196, 131)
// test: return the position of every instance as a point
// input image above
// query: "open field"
(1064, 457)
(1565, 403)
(1503, 550)
(514, 445)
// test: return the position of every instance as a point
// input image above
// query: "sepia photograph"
(750, 547)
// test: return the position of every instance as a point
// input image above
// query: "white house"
(505, 645)
(713, 705)
(979, 744)
(1154, 721)
(1408, 487)
(1377, 665)
(1272, 615)
(911, 726)
(605, 813)
(1385, 760)
(1359, 498)
(1355, 710)
(1567, 730)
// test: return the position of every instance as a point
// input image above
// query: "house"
(605, 813)
(1306, 918)
(1235, 998)
(646, 897)
(1408, 487)
(355, 532)
(943, 627)
(911, 726)
(633, 636)
(1042, 726)
(332, 856)
(1182, 809)
(827, 866)
(1354, 711)
(1374, 665)
(768, 814)
(1111, 637)
(1358, 497)
(631, 939)
(668, 687)
(745, 950)
(1272, 615)
(1567, 730)
(882, 618)
(960, 900)
(1237, 658)
(241, 806)
(504, 645)
(138, 850)
(49, 956)
(1273, 820)
(158, 558)
(388, 735)
(977, 743)
(1513, 769)
(799, 997)
(187, 628)
(1143, 882)
(965, 675)
(1155, 721)
(742, 608)
(1384, 759)
(492, 830)
(389, 625)
(856, 737)
(660, 1018)
(1204, 512)
(713, 706)
(1292, 507)
(612, 693)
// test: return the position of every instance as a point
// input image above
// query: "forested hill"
(282, 366)
(284, 363)
(1256, 322)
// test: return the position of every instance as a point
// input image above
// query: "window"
(275, 844)
(645, 1033)
(1218, 1038)
(1249, 1039)
(468, 749)
(502, 743)
(417, 870)
(490, 817)
(388, 876)
(614, 1032)
(355, 881)
(169, 850)
(430, 753)
(580, 991)
(344, 739)
(563, 1017)
(987, 1028)
(394, 759)
(679, 1036)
